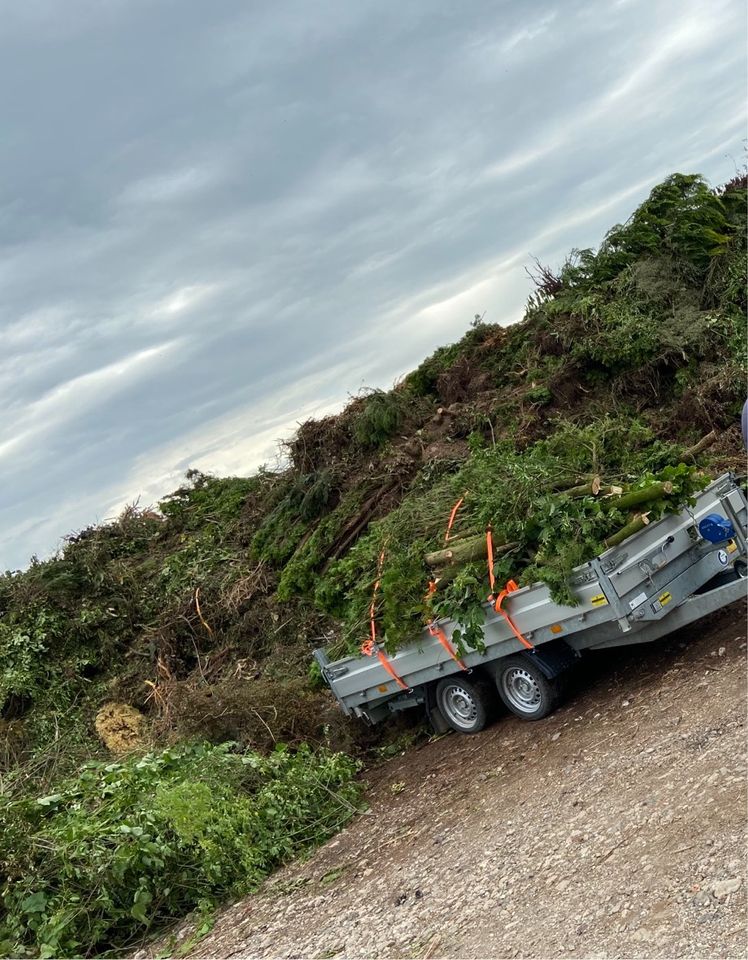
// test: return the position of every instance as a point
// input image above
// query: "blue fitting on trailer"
(716, 529)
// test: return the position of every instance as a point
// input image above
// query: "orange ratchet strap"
(442, 638)
(375, 591)
(510, 587)
(489, 556)
(369, 647)
(391, 670)
(452, 516)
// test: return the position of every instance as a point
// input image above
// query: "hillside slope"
(195, 620)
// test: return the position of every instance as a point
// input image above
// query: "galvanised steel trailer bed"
(673, 572)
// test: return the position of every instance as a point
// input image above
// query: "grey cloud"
(289, 200)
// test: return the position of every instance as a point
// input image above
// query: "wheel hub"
(459, 705)
(521, 689)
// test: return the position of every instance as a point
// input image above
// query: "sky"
(220, 219)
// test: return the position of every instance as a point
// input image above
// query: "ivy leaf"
(141, 901)
(35, 903)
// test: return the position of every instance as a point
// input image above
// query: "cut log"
(559, 486)
(697, 448)
(611, 490)
(446, 576)
(460, 553)
(462, 536)
(350, 533)
(637, 524)
(443, 576)
(656, 491)
(590, 489)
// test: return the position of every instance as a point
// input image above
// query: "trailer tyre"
(465, 704)
(525, 689)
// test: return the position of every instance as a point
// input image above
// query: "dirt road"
(614, 828)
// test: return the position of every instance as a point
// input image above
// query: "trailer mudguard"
(553, 658)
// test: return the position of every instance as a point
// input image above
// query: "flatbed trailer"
(673, 572)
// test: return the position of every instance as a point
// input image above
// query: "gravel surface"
(614, 828)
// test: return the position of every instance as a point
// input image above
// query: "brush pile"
(562, 433)
(527, 516)
(610, 404)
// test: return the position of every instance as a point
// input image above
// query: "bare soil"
(614, 828)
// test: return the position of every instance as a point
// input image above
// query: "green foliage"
(463, 600)
(510, 490)
(625, 353)
(282, 527)
(192, 561)
(22, 653)
(663, 292)
(422, 381)
(683, 219)
(209, 500)
(539, 395)
(316, 493)
(300, 573)
(402, 589)
(128, 846)
(379, 418)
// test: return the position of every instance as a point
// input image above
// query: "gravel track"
(614, 828)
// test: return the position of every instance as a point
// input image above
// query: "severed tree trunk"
(590, 489)
(464, 551)
(559, 486)
(634, 498)
(696, 449)
(355, 527)
(611, 490)
(637, 524)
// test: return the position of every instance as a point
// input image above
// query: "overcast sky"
(218, 219)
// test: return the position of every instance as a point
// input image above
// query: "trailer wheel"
(525, 689)
(466, 705)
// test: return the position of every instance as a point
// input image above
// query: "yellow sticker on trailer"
(599, 600)
(665, 598)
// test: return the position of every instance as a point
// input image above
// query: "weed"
(127, 846)
(379, 419)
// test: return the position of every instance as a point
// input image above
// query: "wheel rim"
(459, 706)
(521, 689)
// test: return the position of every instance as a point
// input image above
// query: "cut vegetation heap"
(610, 404)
